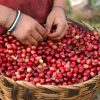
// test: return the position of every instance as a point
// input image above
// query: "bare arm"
(61, 3)
(5, 15)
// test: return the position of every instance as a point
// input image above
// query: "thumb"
(49, 24)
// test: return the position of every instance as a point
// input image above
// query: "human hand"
(56, 17)
(29, 31)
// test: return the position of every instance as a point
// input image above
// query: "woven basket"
(22, 90)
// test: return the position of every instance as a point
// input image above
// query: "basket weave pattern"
(22, 90)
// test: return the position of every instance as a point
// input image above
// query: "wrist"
(10, 19)
(15, 22)
(59, 7)
(5, 16)
(60, 3)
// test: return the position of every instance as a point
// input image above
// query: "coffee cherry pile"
(73, 59)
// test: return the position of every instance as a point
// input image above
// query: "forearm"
(61, 3)
(6, 16)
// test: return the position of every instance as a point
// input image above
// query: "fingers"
(37, 36)
(59, 31)
(49, 24)
(31, 40)
(26, 42)
(62, 34)
(41, 30)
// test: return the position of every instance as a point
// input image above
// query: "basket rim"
(81, 84)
